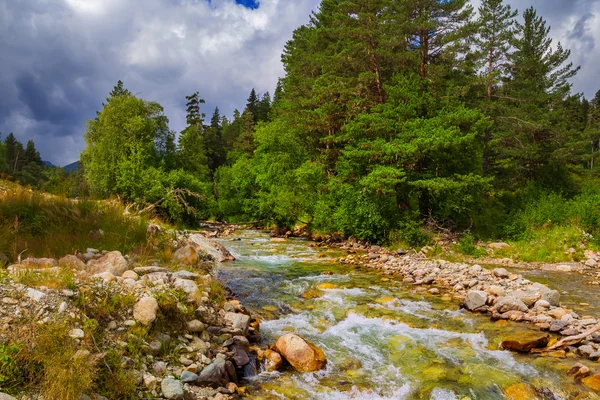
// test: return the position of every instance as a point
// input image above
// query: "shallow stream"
(383, 339)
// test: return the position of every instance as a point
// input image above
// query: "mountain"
(73, 166)
(47, 163)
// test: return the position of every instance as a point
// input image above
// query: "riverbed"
(383, 339)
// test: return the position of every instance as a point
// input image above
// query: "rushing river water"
(383, 339)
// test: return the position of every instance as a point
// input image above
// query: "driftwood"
(571, 340)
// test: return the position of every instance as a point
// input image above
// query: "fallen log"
(571, 340)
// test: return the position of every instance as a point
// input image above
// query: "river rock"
(501, 273)
(4, 396)
(188, 377)
(72, 262)
(187, 255)
(273, 360)
(144, 311)
(496, 290)
(520, 391)
(552, 297)
(238, 320)
(302, 355)
(130, 275)
(586, 350)
(558, 313)
(214, 249)
(528, 298)
(475, 299)
(171, 389)
(112, 262)
(509, 303)
(214, 374)
(557, 325)
(593, 382)
(195, 326)
(524, 342)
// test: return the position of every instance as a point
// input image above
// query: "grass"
(40, 225)
(100, 303)
(61, 279)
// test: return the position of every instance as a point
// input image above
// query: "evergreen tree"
(496, 28)
(252, 104)
(214, 142)
(194, 116)
(192, 149)
(532, 142)
(31, 155)
(592, 130)
(263, 108)
(14, 154)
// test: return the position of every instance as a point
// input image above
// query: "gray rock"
(238, 321)
(528, 298)
(214, 249)
(112, 262)
(144, 311)
(195, 326)
(510, 303)
(149, 270)
(214, 374)
(188, 377)
(557, 326)
(586, 350)
(4, 396)
(500, 273)
(475, 299)
(552, 297)
(171, 389)
(594, 356)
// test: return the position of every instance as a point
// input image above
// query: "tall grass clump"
(40, 225)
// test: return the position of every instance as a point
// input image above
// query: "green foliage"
(11, 377)
(49, 226)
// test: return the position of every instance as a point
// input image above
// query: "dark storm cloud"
(60, 58)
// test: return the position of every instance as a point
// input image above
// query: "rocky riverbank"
(133, 328)
(501, 295)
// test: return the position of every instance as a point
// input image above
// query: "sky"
(60, 58)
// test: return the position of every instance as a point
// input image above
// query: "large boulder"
(39, 263)
(187, 255)
(510, 303)
(301, 354)
(112, 262)
(524, 342)
(144, 311)
(71, 262)
(214, 249)
(475, 299)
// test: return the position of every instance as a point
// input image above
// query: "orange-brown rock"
(524, 342)
(273, 360)
(301, 354)
(593, 382)
(520, 391)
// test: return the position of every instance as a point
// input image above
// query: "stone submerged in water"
(302, 355)
(520, 391)
(524, 342)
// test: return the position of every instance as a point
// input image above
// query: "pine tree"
(117, 91)
(214, 142)
(31, 155)
(14, 154)
(433, 26)
(263, 108)
(194, 116)
(252, 104)
(496, 28)
(533, 143)
(592, 130)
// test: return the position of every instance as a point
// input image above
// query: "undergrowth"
(39, 225)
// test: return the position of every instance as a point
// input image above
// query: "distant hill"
(47, 163)
(73, 166)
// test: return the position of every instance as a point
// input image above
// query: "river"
(383, 339)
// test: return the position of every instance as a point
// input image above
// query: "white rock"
(144, 311)
(76, 333)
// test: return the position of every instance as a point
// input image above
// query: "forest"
(394, 121)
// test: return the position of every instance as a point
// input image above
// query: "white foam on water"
(421, 309)
(442, 394)
(342, 296)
